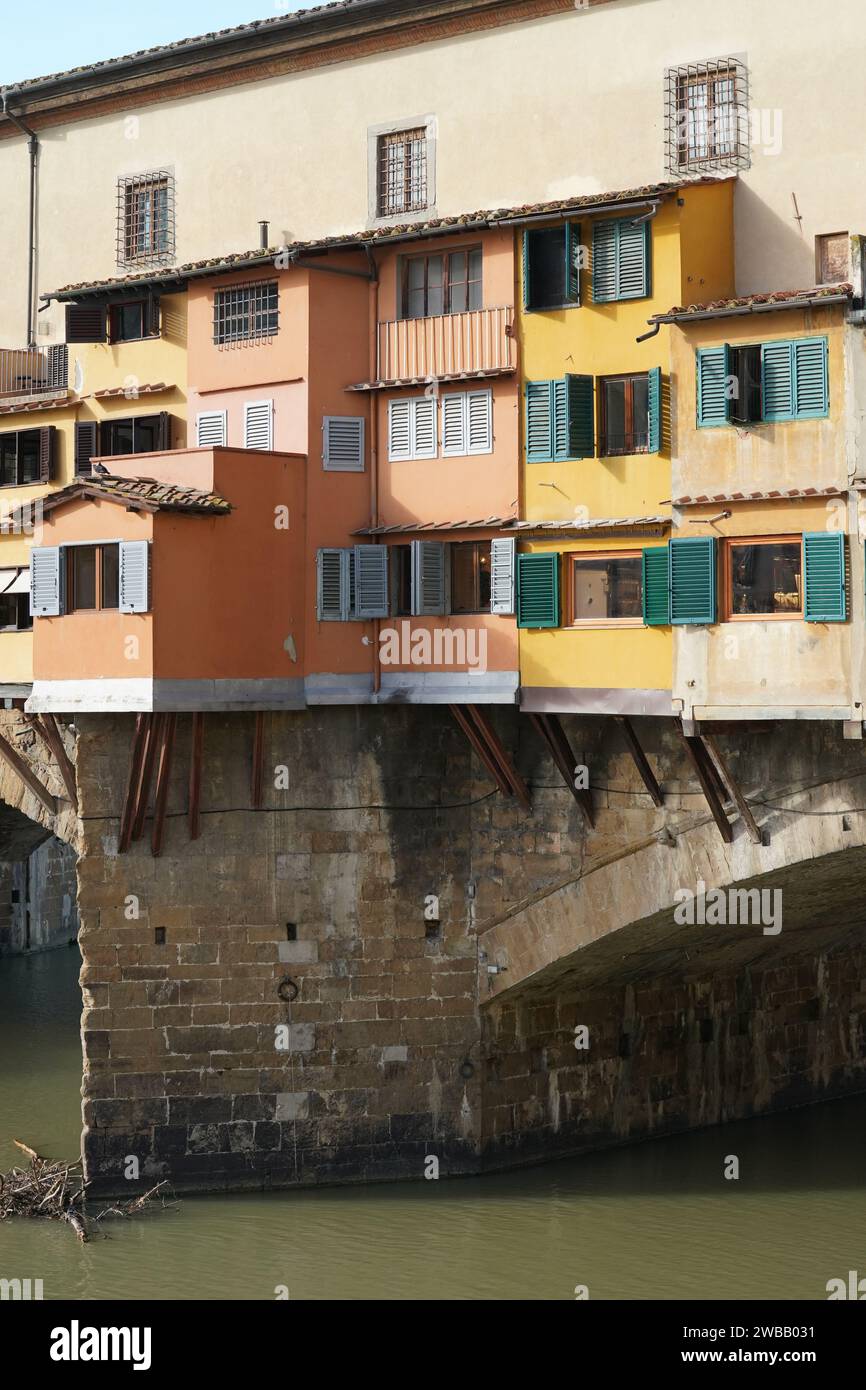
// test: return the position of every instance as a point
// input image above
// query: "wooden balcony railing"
(28, 373)
(447, 345)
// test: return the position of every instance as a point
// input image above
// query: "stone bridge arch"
(37, 773)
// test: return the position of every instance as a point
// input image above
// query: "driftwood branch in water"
(57, 1191)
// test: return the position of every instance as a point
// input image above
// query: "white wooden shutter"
(371, 581)
(429, 594)
(502, 575)
(211, 428)
(399, 430)
(134, 577)
(454, 424)
(46, 581)
(259, 425)
(343, 443)
(479, 422)
(423, 427)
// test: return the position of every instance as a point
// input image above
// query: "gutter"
(33, 148)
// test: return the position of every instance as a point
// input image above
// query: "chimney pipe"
(264, 235)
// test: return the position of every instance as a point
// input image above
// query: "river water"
(655, 1220)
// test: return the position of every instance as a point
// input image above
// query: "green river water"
(655, 1220)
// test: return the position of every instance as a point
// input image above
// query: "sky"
(87, 31)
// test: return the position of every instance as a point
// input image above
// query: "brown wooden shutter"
(85, 323)
(86, 446)
(164, 431)
(46, 453)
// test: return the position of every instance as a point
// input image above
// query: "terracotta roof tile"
(781, 299)
(153, 496)
(775, 495)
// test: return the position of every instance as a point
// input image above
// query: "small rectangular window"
(707, 116)
(442, 284)
(92, 578)
(138, 434)
(15, 613)
(128, 322)
(145, 219)
(246, 313)
(606, 588)
(401, 172)
(762, 577)
(21, 458)
(470, 577)
(551, 267)
(624, 414)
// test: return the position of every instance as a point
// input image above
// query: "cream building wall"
(568, 104)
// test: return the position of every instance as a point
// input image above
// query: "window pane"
(120, 437)
(110, 576)
(640, 404)
(128, 322)
(28, 457)
(457, 272)
(8, 611)
(615, 417)
(547, 268)
(483, 575)
(415, 287)
(765, 578)
(464, 593)
(436, 285)
(402, 556)
(606, 589)
(146, 432)
(83, 564)
(8, 455)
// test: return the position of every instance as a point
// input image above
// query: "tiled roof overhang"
(511, 525)
(819, 297)
(775, 495)
(135, 494)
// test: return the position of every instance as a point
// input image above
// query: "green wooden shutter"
(824, 577)
(656, 586)
(777, 381)
(693, 579)
(712, 374)
(654, 410)
(527, 292)
(560, 421)
(538, 590)
(581, 416)
(539, 421)
(572, 262)
(811, 397)
(604, 254)
(633, 260)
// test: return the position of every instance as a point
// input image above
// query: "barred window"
(707, 117)
(245, 313)
(401, 172)
(145, 219)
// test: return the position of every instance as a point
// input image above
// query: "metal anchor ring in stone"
(288, 990)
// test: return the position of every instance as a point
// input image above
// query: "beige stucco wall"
(293, 149)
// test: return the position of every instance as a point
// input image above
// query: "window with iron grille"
(401, 172)
(245, 313)
(707, 116)
(145, 219)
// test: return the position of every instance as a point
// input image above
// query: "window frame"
(602, 451)
(110, 423)
(113, 315)
(403, 282)
(679, 82)
(412, 183)
(67, 560)
(157, 247)
(222, 316)
(22, 606)
(480, 607)
(567, 571)
(19, 482)
(726, 584)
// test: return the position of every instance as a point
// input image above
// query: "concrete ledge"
(552, 699)
(448, 688)
(167, 696)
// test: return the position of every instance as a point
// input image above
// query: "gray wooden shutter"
(46, 453)
(454, 424)
(86, 446)
(343, 443)
(371, 581)
(479, 422)
(428, 579)
(211, 429)
(333, 585)
(423, 415)
(134, 576)
(46, 581)
(502, 575)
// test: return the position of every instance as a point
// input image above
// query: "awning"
(15, 581)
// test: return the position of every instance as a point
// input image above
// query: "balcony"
(479, 342)
(32, 374)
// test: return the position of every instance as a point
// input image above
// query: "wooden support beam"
(163, 774)
(707, 776)
(47, 729)
(152, 727)
(640, 759)
(195, 769)
(482, 750)
(133, 781)
(258, 761)
(728, 777)
(501, 756)
(23, 770)
(560, 750)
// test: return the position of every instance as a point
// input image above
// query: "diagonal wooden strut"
(133, 782)
(492, 752)
(258, 761)
(553, 734)
(22, 769)
(152, 727)
(641, 761)
(728, 777)
(709, 780)
(163, 773)
(195, 771)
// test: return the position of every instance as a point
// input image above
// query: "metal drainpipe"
(374, 439)
(33, 147)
